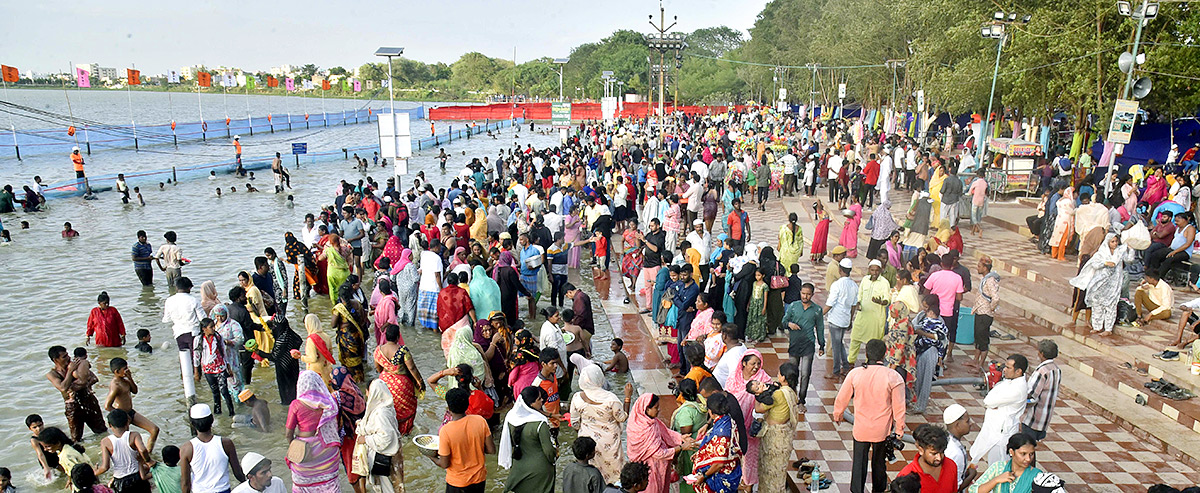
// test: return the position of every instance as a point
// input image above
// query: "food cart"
(1012, 165)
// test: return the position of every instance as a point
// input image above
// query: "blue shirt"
(142, 250)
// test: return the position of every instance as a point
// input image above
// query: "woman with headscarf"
(454, 305)
(479, 225)
(509, 280)
(316, 348)
(397, 369)
(1064, 225)
(312, 430)
(742, 285)
(598, 413)
(688, 419)
(940, 242)
(287, 366)
(385, 310)
(392, 250)
(337, 269)
(849, 237)
(458, 262)
(895, 250)
(900, 355)
(781, 417)
(351, 406)
(408, 278)
(494, 345)
(464, 351)
(484, 292)
(572, 225)
(935, 190)
(1102, 277)
(749, 369)
(432, 233)
(378, 434)
(767, 260)
(650, 441)
(716, 465)
(523, 362)
(526, 448)
(208, 296)
(231, 332)
(350, 328)
(296, 254)
(791, 242)
(882, 227)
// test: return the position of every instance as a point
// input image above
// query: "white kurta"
(1005, 404)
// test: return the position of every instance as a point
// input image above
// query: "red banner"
(272, 82)
(10, 73)
(204, 79)
(134, 77)
(325, 85)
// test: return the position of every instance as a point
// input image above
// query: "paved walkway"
(1088, 446)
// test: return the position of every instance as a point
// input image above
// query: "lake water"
(50, 284)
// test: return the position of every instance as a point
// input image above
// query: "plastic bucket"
(966, 326)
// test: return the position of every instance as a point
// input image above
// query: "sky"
(154, 37)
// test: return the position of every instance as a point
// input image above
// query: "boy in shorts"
(121, 390)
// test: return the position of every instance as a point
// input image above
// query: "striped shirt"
(1043, 393)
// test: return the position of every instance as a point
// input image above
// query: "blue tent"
(1153, 141)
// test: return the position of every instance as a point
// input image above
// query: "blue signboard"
(300, 148)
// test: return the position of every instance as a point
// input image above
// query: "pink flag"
(357, 86)
(81, 77)
(290, 83)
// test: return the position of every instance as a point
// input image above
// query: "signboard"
(560, 114)
(842, 91)
(1121, 128)
(782, 93)
(609, 108)
(395, 141)
(300, 148)
(921, 100)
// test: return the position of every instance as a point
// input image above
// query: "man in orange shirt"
(462, 443)
(77, 160)
(878, 393)
(237, 149)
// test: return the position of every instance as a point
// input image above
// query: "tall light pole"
(1142, 15)
(663, 42)
(560, 62)
(389, 53)
(997, 29)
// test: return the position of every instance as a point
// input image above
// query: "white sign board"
(395, 141)
(608, 108)
(782, 107)
(782, 93)
(921, 100)
(1120, 130)
(842, 91)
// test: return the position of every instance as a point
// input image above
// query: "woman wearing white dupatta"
(599, 413)
(379, 434)
(1102, 277)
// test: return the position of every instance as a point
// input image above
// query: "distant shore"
(420, 95)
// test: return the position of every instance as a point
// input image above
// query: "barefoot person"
(123, 453)
(120, 396)
(82, 408)
(184, 313)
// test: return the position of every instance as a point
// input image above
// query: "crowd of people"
(480, 262)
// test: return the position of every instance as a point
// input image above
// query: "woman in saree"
(494, 346)
(849, 237)
(648, 440)
(464, 351)
(940, 242)
(749, 369)
(478, 229)
(523, 362)
(791, 242)
(895, 250)
(314, 451)
(1014, 475)
(598, 413)
(509, 280)
(408, 278)
(296, 254)
(572, 224)
(631, 252)
(351, 406)
(231, 332)
(318, 275)
(208, 296)
(316, 353)
(899, 338)
(378, 434)
(1064, 225)
(687, 419)
(1101, 279)
(392, 250)
(716, 465)
(399, 372)
(458, 262)
(384, 312)
(484, 292)
(337, 269)
(935, 190)
(350, 325)
(781, 417)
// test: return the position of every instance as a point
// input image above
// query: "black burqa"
(744, 280)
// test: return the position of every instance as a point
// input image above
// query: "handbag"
(382, 465)
(779, 281)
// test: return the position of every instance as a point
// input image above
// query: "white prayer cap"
(200, 411)
(846, 263)
(953, 413)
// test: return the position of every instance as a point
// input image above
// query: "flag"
(272, 81)
(82, 77)
(71, 130)
(346, 85)
(172, 77)
(324, 84)
(227, 80)
(10, 73)
(250, 82)
(357, 86)
(134, 77)
(290, 84)
(204, 79)
(308, 85)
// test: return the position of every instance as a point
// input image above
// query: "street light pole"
(389, 53)
(560, 62)
(983, 125)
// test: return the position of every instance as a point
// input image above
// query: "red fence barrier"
(579, 111)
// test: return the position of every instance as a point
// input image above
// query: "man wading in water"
(82, 408)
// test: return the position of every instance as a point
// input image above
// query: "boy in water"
(581, 476)
(165, 474)
(6, 481)
(120, 396)
(260, 413)
(47, 459)
(619, 363)
(123, 453)
(143, 344)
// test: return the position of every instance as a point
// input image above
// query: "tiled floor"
(1088, 451)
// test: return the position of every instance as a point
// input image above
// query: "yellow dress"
(935, 192)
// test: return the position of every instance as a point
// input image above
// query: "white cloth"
(183, 312)
(309, 236)
(729, 362)
(1095, 264)
(835, 165)
(592, 382)
(843, 294)
(551, 336)
(210, 465)
(1004, 404)
(431, 264)
(956, 452)
(702, 244)
(277, 486)
(520, 414)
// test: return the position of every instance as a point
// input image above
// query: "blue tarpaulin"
(1153, 141)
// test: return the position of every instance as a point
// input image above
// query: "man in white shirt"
(958, 424)
(258, 476)
(183, 312)
(701, 240)
(553, 220)
(843, 295)
(694, 196)
(791, 166)
(900, 167)
(835, 166)
(1004, 404)
(910, 166)
(309, 234)
(700, 168)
